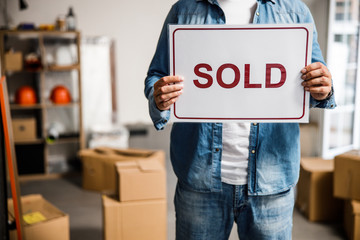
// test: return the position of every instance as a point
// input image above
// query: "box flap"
(317, 165)
(137, 153)
(126, 165)
(353, 155)
(87, 152)
(114, 153)
(149, 165)
(36, 204)
(103, 150)
(24, 199)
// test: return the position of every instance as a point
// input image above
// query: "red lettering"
(203, 75)
(235, 82)
(219, 75)
(268, 75)
(247, 83)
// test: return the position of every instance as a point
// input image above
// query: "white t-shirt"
(238, 11)
(235, 136)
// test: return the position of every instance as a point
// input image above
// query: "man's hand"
(167, 90)
(317, 80)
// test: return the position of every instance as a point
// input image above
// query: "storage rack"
(33, 156)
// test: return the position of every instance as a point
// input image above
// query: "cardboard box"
(347, 175)
(42, 220)
(13, 61)
(99, 172)
(352, 219)
(145, 220)
(141, 180)
(315, 191)
(24, 129)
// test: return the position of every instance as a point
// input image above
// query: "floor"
(84, 207)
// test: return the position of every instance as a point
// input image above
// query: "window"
(340, 126)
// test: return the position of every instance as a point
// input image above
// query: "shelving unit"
(59, 53)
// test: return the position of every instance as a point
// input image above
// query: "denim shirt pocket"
(287, 16)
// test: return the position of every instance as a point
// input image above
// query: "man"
(233, 172)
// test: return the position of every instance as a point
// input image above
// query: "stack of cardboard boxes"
(347, 186)
(325, 184)
(134, 206)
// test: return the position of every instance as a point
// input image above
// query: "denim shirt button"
(217, 149)
(257, 13)
(254, 124)
(332, 105)
(165, 121)
(252, 151)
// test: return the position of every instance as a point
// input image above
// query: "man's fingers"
(319, 81)
(167, 89)
(173, 79)
(165, 105)
(315, 70)
(166, 97)
(313, 74)
(168, 80)
(318, 90)
(311, 67)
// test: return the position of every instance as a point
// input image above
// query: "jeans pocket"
(282, 194)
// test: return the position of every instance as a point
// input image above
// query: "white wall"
(135, 25)
(320, 12)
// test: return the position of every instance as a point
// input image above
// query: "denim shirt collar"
(215, 1)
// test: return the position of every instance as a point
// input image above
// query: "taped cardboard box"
(315, 191)
(347, 175)
(352, 219)
(141, 180)
(145, 220)
(24, 129)
(99, 172)
(42, 220)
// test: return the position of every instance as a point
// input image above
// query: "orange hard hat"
(60, 95)
(25, 95)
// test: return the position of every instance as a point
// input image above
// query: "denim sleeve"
(329, 102)
(159, 67)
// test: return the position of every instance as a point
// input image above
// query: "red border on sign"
(260, 28)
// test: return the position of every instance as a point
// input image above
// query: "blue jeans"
(210, 216)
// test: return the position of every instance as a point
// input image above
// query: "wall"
(311, 138)
(135, 26)
(320, 12)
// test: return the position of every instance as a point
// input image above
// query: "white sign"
(248, 73)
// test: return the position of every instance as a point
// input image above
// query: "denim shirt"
(274, 149)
